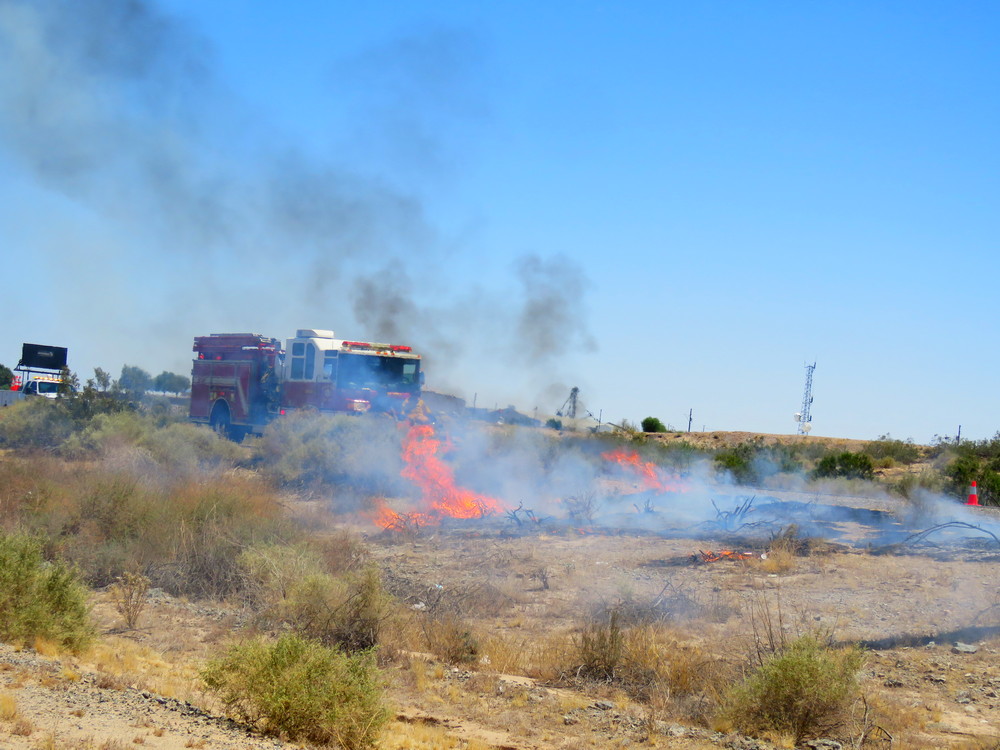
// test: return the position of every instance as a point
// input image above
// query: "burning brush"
(649, 474)
(440, 496)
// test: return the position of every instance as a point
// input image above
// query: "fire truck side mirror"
(421, 378)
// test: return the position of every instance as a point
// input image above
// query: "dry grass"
(776, 561)
(121, 662)
(8, 707)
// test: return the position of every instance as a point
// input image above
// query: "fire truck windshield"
(367, 371)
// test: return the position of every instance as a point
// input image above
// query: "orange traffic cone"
(973, 495)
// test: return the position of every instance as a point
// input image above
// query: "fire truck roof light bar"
(368, 345)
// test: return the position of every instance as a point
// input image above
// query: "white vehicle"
(46, 386)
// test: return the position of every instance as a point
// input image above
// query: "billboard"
(43, 357)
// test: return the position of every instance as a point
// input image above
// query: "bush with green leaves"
(35, 424)
(40, 598)
(292, 586)
(802, 690)
(978, 461)
(887, 449)
(847, 465)
(174, 446)
(740, 461)
(652, 424)
(301, 689)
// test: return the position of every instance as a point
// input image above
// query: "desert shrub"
(449, 637)
(740, 461)
(652, 424)
(176, 447)
(784, 546)
(886, 448)
(678, 455)
(289, 586)
(302, 689)
(909, 485)
(847, 465)
(35, 423)
(345, 611)
(979, 461)
(600, 649)
(554, 424)
(40, 598)
(272, 570)
(802, 690)
(341, 551)
(129, 595)
(751, 462)
(308, 449)
(185, 536)
(211, 523)
(644, 658)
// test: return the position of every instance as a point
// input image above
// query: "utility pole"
(690, 417)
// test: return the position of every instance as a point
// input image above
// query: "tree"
(652, 424)
(134, 380)
(69, 383)
(171, 382)
(6, 376)
(101, 381)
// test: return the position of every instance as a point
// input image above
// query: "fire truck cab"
(241, 381)
(332, 374)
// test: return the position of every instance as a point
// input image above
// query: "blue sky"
(672, 206)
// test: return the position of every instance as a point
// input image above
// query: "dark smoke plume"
(115, 106)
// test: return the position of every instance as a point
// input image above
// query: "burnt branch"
(730, 519)
(921, 536)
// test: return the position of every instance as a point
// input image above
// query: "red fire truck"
(241, 381)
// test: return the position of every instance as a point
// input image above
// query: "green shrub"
(740, 461)
(847, 464)
(35, 423)
(302, 689)
(801, 690)
(345, 611)
(652, 424)
(898, 451)
(177, 447)
(290, 586)
(40, 599)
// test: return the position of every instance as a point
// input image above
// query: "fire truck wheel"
(220, 420)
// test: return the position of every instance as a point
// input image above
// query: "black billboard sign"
(43, 357)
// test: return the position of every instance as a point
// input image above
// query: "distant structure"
(569, 408)
(804, 418)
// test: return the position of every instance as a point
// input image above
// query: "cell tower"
(569, 408)
(804, 418)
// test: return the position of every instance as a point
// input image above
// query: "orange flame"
(651, 476)
(440, 495)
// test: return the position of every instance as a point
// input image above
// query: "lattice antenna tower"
(804, 417)
(569, 408)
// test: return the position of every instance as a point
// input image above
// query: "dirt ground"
(925, 610)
